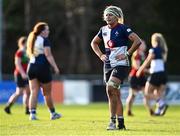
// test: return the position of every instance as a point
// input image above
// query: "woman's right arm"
(20, 68)
(135, 60)
(145, 64)
(95, 46)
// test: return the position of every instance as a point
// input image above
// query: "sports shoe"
(32, 117)
(7, 110)
(121, 127)
(55, 116)
(163, 109)
(151, 112)
(111, 126)
(27, 111)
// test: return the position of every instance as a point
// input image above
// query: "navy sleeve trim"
(47, 43)
(127, 30)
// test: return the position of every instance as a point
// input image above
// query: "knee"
(34, 92)
(112, 87)
(19, 92)
(46, 92)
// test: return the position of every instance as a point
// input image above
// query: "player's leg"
(12, 99)
(112, 91)
(113, 80)
(112, 112)
(161, 104)
(34, 86)
(129, 101)
(119, 74)
(119, 112)
(19, 91)
(46, 87)
(26, 96)
(148, 94)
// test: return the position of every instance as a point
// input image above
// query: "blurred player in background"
(115, 36)
(20, 76)
(156, 83)
(41, 58)
(136, 83)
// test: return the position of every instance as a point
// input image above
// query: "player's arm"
(19, 67)
(145, 64)
(136, 43)
(135, 59)
(95, 46)
(136, 64)
(50, 58)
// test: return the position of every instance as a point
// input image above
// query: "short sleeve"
(47, 43)
(151, 50)
(18, 54)
(100, 34)
(127, 30)
(137, 56)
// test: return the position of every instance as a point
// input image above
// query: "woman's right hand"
(103, 57)
(138, 73)
(24, 76)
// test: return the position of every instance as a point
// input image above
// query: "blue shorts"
(20, 82)
(158, 78)
(120, 72)
(40, 72)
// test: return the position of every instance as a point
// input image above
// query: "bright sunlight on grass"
(89, 120)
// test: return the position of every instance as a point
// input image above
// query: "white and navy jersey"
(115, 42)
(38, 52)
(157, 64)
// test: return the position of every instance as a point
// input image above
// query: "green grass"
(89, 120)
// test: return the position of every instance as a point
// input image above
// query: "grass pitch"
(89, 120)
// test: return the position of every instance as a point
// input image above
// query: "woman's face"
(22, 44)
(110, 19)
(154, 41)
(45, 32)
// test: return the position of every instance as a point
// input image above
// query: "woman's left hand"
(56, 70)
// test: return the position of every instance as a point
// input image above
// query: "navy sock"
(52, 110)
(121, 120)
(32, 111)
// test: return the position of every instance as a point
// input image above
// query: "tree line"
(73, 23)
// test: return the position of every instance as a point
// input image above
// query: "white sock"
(161, 102)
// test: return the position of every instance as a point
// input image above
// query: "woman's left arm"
(50, 58)
(136, 42)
